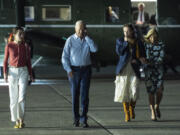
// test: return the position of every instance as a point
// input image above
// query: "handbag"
(1, 73)
(142, 72)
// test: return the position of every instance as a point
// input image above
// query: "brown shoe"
(132, 113)
(131, 109)
(126, 111)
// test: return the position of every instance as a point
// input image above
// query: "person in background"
(152, 20)
(113, 17)
(76, 61)
(141, 17)
(141, 20)
(28, 40)
(131, 53)
(17, 66)
(154, 71)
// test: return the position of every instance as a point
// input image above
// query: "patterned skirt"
(154, 78)
(126, 85)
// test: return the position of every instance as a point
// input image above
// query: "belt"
(84, 66)
(17, 67)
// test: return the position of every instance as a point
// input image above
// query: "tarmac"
(49, 112)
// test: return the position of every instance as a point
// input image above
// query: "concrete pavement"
(48, 111)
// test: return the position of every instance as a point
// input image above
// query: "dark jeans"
(80, 83)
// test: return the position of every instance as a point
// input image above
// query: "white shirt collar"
(75, 35)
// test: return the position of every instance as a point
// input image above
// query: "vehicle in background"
(50, 22)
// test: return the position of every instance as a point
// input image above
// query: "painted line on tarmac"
(38, 82)
(110, 108)
(69, 101)
(50, 81)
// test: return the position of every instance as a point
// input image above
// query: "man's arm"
(93, 47)
(66, 56)
(146, 15)
(134, 17)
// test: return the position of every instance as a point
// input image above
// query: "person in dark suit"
(131, 53)
(141, 20)
(140, 17)
(76, 61)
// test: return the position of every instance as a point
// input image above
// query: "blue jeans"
(80, 83)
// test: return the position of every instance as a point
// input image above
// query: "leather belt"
(17, 67)
(84, 66)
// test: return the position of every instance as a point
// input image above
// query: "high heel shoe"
(158, 113)
(21, 125)
(126, 111)
(16, 126)
(131, 109)
(153, 115)
(154, 119)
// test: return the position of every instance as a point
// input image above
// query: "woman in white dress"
(131, 54)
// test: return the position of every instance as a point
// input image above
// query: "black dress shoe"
(84, 125)
(76, 124)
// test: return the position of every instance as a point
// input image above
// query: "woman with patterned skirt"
(154, 71)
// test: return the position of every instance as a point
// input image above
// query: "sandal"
(21, 125)
(16, 126)
(158, 113)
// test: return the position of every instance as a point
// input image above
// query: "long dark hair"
(16, 29)
(131, 27)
